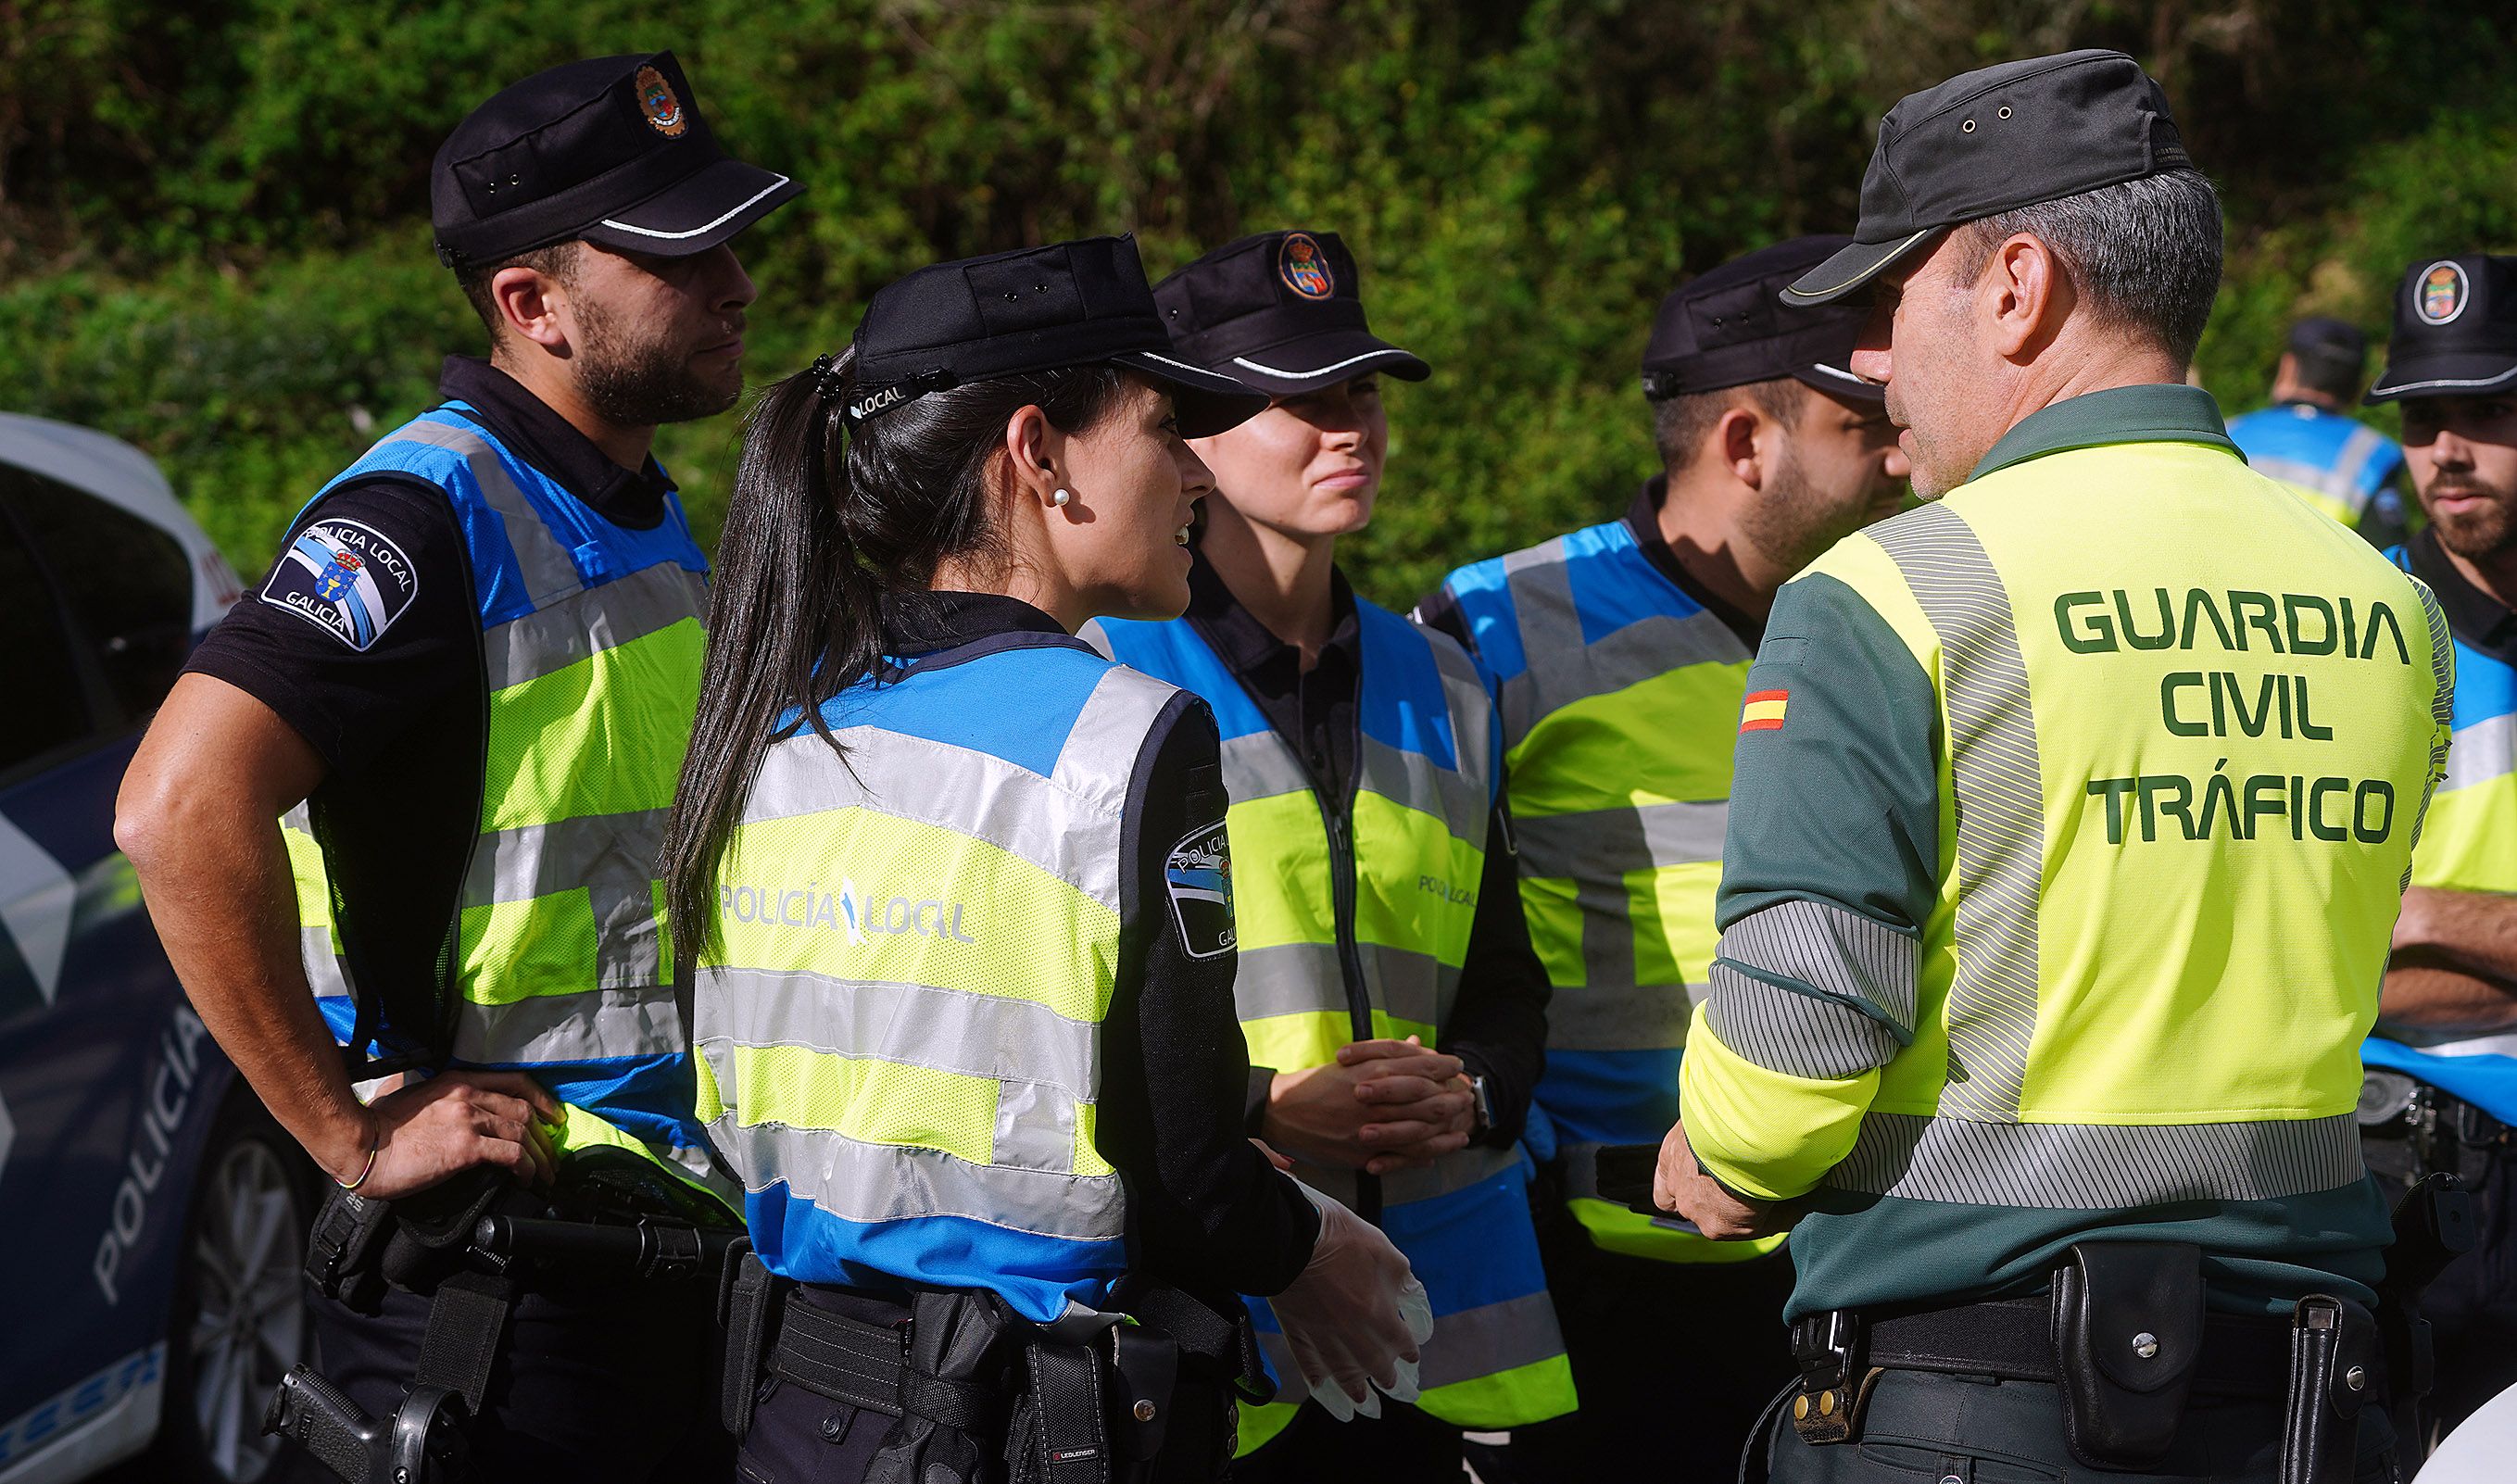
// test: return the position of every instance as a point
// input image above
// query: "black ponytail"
(828, 524)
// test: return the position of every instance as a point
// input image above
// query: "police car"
(153, 1218)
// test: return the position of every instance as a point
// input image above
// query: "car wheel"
(239, 1319)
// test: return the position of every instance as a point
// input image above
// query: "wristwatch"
(1481, 1109)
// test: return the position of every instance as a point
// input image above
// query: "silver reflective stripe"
(1563, 669)
(1829, 949)
(1805, 1036)
(327, 974)
(1305, 977)
(1471, 709)
(1258, 765)
(916, 1025)
(588, 1025)
(573, 628)
(1494, 1337)
(1099, 761)
(1605, 843)
(2362, 445)
(2312, 476)
(1035, 1127)
(2482, 752)
(858, 1181)
(971, 792)
(548, 570)
(1629, 1017)
(529, 861)
(1423, 785)
(2001, 800)
(2097, 1167)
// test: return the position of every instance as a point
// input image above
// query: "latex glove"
(1350, 1319)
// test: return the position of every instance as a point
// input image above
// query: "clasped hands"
(1382, 1105)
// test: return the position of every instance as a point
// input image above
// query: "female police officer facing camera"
(1387, 989)
(959, 895)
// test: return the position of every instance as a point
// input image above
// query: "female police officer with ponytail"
(958, 896)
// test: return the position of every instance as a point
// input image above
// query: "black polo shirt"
(401, 724)
(2473, 615)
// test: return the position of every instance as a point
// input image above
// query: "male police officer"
(474, 667)
(2070, 816)
(1623, 652)
(2343, 467)
(2446, 1096)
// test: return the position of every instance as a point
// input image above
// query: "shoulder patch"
(1199, 876)
(345, 579)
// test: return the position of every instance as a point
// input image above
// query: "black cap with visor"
(1282, 310)
(1994, 140)
(1035, 309)
(1729, 327)
(612, 150)
(2456, 330)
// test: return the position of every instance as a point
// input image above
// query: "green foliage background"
(213, 216)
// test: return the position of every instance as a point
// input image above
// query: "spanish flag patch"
(1763, 710)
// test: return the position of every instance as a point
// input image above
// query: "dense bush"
(213, 216)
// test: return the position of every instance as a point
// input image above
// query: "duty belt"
(2013, 1338)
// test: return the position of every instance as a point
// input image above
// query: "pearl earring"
(1060, 498)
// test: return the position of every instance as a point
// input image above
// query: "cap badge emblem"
(1304, 267)
(2444, 293)
(662, 108)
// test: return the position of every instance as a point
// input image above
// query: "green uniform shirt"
(1982, 1000)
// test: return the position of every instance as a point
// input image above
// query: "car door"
(106, 1077)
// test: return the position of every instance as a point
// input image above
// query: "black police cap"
(1731, 326)
(612, 150)
(1282, 310)
(2324, 338)
(1994, 140)
(2456, 330)
(1037, 309)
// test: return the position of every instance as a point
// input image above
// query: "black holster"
(2335, 1370)
(2127, 1333)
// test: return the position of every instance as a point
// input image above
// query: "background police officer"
(2344, 467)
(2025, 853)
(474, 664)
(2449, 1018)
(1622, 653)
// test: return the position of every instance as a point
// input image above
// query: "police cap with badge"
(1731, 326)
(612, 150)
(1994, 140)
(1012, 313)
(2456, 331)
(1282, 310)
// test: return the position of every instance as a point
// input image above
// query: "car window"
(47, 708)
(127, 584)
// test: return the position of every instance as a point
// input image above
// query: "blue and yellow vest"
(2336, 463)
(900, 1026)
(1619, 696)
(1405, 862)
(2470, 843)
(591, 638)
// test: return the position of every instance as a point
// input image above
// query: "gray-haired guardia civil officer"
(468, 683)
(2046, 949)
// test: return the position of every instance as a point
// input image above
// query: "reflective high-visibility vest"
(2470, 843)
(1353, 922)
(2187, 728)
(591, 639)
(2336, 463)
(900, 1030)
(1620, 697)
